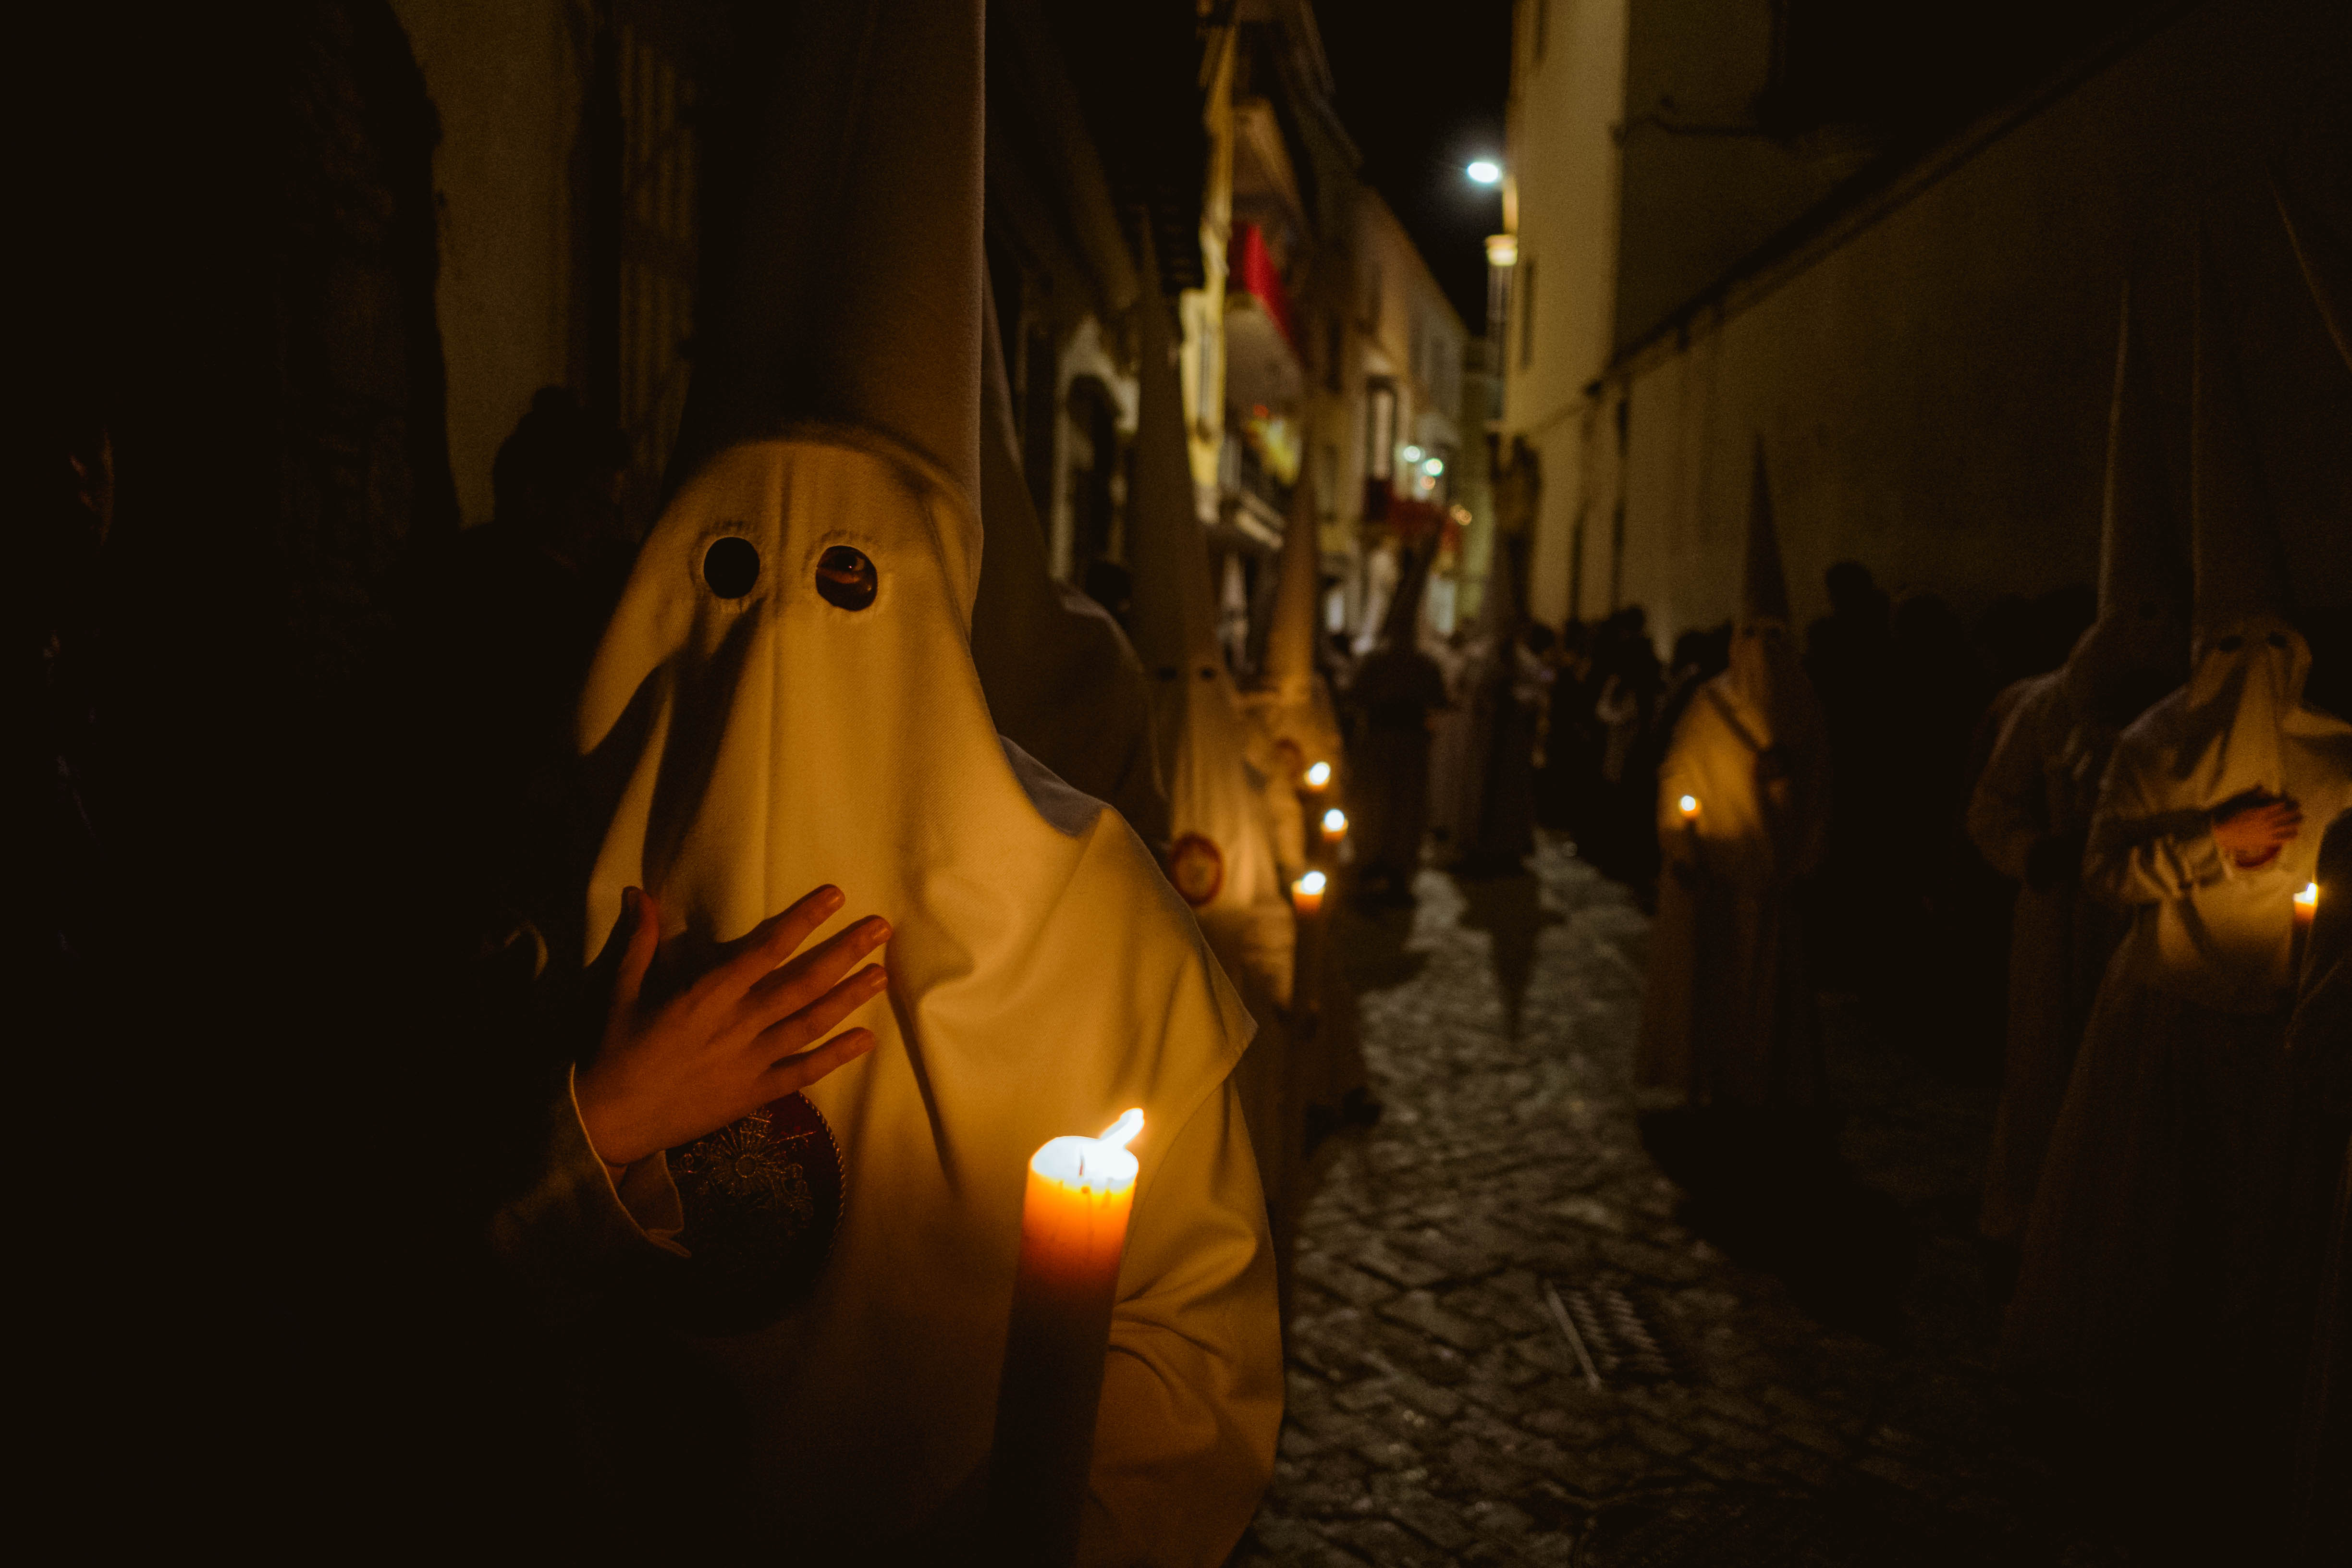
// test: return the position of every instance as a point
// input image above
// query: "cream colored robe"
(1222, 855)
(2150, 1218)
(2040, 783)
(1043, 977)
(1729, 1016)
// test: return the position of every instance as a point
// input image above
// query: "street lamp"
(1485, 171)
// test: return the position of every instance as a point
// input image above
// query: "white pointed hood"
(2204, 928)
(1766, 676)
(2248, 660)
(1062, 681)
(1400, 622)
(2326, 259)
(773, 736)
(1221, 856)
(1289, 666)
(1291, 711)
(2138, 648)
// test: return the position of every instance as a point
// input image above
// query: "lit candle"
(1688, 806)
(1335, 825)
(1307, 893)
(1073, 1230)
(1318, 775)
(2306, 906)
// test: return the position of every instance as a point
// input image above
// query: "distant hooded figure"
(787, 697)
(2158, 1197)
(1493, 815)
(1397, 686)
(1729, 1018)
(1292, 725)
(1062, 681)
(2030, 812)
(1292, 722)
(1221, 855)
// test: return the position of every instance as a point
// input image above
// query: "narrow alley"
(1794, 1373)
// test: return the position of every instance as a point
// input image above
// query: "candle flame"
(2309, 896)
(1122, 1132)
(1689, 805)
(1310, 883)
(1335, 823)
(1318, 776)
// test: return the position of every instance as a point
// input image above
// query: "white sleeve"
(577, 1220)
(2138, 854)
(2009, 813)
(1192, 1398)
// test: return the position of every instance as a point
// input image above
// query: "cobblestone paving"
(1831, 1406)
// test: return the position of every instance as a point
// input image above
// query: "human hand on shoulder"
(730, 1040)
(2253, 826)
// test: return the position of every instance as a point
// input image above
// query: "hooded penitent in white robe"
(2030, 812)
(773, 728)
(1488, 812)
(1062, 681)
(1729, 1018)
(1396, 687)
(1292, 726)
(2156, 1201)
(1221, 854)
(1291, 721)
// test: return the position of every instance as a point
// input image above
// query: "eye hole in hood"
(731, 567)
(845, 578)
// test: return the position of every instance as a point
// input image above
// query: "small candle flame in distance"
(1689, 805)
(1310, 884)
(2309, 896)
(1318, 776)
(1335, 822)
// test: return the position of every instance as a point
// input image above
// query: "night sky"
(1421, 100)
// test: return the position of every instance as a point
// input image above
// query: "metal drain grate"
(1617, 1334)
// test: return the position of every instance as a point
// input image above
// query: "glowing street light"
(1485, 171)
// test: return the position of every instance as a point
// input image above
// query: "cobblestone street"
(1816, 1394)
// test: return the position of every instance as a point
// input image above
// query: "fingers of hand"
(805, 1023)
(798, 1071)
(640, 929)
(773, 940)
(809, 976)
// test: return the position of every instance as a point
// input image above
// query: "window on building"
(1526, 311)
